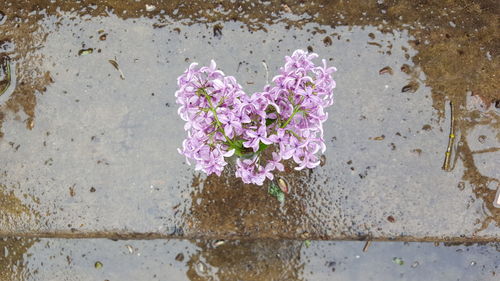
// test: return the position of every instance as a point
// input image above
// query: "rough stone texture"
(85, 153)
(262, 260)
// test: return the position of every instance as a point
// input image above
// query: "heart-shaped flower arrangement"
(222, 121)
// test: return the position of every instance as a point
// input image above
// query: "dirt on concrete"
(439, 52)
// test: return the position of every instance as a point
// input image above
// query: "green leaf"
(398, 261)
(98, 265)
(240, 150)
(262, 146)
(84, 52)
(307, 243)
(269, 121)
(237, 145)
(273, 189)
(280, 196)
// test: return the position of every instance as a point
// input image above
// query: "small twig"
(115, 65)
(367, 245)
(487, 150)
(267, 72)
(446, 164)
(7, 76)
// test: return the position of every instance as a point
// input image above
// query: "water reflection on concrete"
(14, 214)
(264, 260)
(246, 260)
(13, 259)
(98, 152)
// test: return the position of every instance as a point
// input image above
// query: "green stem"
(217, 122)
(295, 110)
(293, 133)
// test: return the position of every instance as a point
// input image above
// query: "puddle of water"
(14, 214)
(98, 152)
(55, 259)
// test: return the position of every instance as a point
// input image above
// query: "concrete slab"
(85, 153)
(263, 260)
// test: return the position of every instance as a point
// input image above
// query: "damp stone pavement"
(88, 148)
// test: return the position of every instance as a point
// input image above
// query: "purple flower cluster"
(287, 117)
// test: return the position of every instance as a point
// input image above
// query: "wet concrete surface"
(87, 151)
(263, 260)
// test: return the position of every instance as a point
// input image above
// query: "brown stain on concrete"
(472, 174)
(20, 30)
(458, 50)
(12, 258)
(13, 212)
(226, 206)
(457, 41)
(247, 260)
(11, 205)
(12, 249)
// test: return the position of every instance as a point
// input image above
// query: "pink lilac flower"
(256, 137)
(287, 117)
(275, 163)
